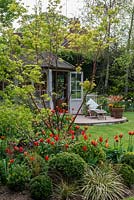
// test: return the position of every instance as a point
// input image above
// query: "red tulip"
(121, 135)
(100, 139)
(52, 143)
(46, 157)
(11, 161)
(84, 148)
(85, 137)
(66, 146)
(21, 149)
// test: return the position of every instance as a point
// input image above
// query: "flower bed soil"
(6, 194)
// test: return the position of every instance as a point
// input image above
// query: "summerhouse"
(60, 81)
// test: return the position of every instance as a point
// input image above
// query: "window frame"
(76, 82)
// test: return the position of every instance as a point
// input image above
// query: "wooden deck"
(87, 120)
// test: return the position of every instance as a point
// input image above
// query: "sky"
(70, 8)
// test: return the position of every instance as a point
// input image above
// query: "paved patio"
(87, 120)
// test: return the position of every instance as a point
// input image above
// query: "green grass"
(109, 131)
(130, 198)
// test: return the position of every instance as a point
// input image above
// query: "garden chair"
(94, 111)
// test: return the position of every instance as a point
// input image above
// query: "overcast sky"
(70, 8)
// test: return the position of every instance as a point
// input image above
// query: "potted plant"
(116, 106)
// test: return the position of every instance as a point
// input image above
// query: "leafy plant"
(70, 165)
(18, 176)
(3, 171)
(128, 158)
(127, 174)
(36, 164)
(66, 191)
(15, 120)
(91, 154)
(102, 183)
(114, 154)
(41, 187)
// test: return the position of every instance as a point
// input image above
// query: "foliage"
(15, 120)
(127, 173)
(92, 155)
(3, 146)
(66, 191)
(70, 165)
(9, 11)
(41, 187)
(113, 155)
(36, 164)
(18, 176)
(3, 171)
(128, 158)
(115, 101)
(56, 121)
(102, 183)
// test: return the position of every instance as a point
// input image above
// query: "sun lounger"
(93, 110)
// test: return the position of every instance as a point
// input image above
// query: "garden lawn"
(131, 198)
(109, 131)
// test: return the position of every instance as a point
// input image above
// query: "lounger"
(93, 110)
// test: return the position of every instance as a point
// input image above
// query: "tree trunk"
(108, 50)
(128, 50)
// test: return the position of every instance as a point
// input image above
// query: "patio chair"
(94, 111)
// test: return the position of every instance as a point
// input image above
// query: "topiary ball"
(127, 174)
(128, 158)
(69, 165)
(41, 187)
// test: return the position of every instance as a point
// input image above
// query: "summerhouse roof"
(53, 62)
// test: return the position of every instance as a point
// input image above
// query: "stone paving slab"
(87, 120)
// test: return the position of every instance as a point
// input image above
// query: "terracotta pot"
(117, 112)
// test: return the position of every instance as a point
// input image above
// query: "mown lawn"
(131, 198)
(109, 131)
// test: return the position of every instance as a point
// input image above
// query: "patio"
(88, 120)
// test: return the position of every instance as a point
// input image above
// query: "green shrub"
(65, 191)
(36, 164)
(113, 154)
(127, 174)
(3, 171)
(18, 176)
(92, 155)
(69, 165)
(41, 187)
(103, 184)
(15, 120)
(128, 158)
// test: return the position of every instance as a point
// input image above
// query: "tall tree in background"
(9, 11)
(129, 49)
(103, 16)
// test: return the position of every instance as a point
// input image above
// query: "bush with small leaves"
(41, 187)
(18, 176)
(91, 154)
(128, 158)
(16, 120)
(127, 173)
(70, 165)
